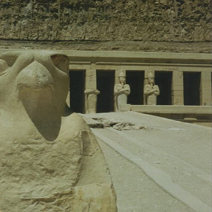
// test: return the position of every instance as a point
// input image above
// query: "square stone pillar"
(90, 85)
(177, 88)
(206, 88)
(90, 78)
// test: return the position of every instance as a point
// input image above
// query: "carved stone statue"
(50, 160)
(121, 91)
(151, 91)
(91, 99)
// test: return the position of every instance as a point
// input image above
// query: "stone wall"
(106, 20)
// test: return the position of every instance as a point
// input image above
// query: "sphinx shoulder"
(75, 121)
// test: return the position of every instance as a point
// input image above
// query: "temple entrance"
(191, 83)
(136, 81)
(77, 87)
(164, 81)
(105, 84)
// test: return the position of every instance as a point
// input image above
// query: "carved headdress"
(122, 74)
(150, 75)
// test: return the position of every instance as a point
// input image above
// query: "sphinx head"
(27, 76)
(36, 81)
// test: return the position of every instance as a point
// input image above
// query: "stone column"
(206, 88)
(177, 88)
(116, 81)
(90, 84)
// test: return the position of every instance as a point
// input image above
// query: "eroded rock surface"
(50, 160)
(106, 20)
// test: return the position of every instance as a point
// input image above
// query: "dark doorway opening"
(191, 83)
(105, 84)
(77, 87)
(164, 81)
(136, 81)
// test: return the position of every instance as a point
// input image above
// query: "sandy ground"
(163, 166)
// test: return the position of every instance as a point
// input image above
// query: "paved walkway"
(156, 164)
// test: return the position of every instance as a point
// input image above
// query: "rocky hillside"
(106, 20)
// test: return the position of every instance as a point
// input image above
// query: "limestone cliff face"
(106, 20)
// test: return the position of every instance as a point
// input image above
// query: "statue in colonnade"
(121, 91)
(151, 91)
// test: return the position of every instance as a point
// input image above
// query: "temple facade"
(184, 81)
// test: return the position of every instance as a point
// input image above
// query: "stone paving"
(162, 165)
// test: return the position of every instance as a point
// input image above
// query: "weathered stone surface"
(135, 46)
(48, 162)
(163, 20)
(171, 148)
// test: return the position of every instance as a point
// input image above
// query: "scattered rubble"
(104, 123)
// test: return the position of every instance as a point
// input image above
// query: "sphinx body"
(50, 160)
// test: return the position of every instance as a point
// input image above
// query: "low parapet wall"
(187, 113)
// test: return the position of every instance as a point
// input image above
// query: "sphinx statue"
(50, 160)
